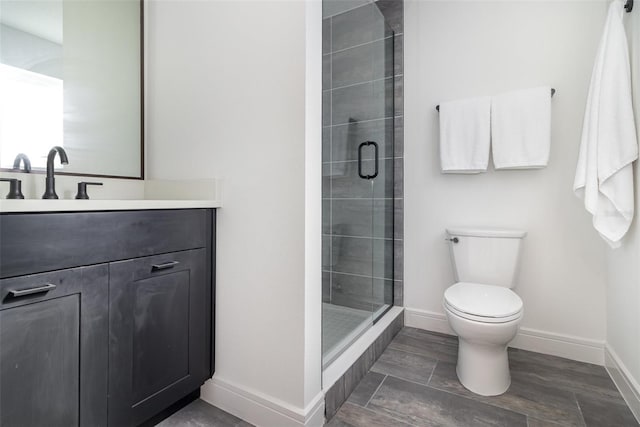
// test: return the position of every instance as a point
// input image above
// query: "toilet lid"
(483, 300)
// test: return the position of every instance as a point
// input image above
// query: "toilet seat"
(483, 303)
(482, 319)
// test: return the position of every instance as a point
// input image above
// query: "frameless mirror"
(70, 75)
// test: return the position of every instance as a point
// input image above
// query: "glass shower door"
(357, 175)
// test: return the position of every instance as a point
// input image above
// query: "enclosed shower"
(357, 172)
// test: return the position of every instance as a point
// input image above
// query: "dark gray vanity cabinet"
(106, 318)
(53, 332)
(158, 313)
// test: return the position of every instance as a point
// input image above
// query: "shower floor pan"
(341, 326)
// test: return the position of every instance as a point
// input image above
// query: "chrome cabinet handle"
(164, 266)
(15, 293)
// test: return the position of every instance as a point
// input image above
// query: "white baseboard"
(266, 411)
(628, 386)
(260, 409)
(427, 320)
(568, 346)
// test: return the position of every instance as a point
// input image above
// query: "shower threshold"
(341, 326)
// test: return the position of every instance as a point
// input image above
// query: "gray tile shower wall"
(363, 101)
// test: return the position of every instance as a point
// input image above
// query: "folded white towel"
(521, 128)
(465, 135)
(604, 177)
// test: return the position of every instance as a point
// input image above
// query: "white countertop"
(35, 205)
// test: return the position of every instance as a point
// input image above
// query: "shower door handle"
(375, 147)
(364, 144)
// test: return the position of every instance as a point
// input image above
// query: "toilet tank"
(484, 255)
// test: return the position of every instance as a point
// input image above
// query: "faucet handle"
(15, 188)
(82, 189)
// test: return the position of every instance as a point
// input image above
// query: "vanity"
(107, 307)
(106, 316)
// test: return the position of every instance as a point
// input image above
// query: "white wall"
(623, 291)
(463, 49)
(226, 99)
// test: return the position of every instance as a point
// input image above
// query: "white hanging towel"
(604, 176)
(521, 129)
(465, 135)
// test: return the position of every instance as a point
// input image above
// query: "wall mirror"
(71, 75)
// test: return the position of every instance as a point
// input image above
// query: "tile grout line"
(432, 371)
(361, 198)
(385, 239)
(487, 403)
(379, 79)
(333, 162)
(417, 383)
(379, 39)
(359, 44)
(395, 116)
(396, 416)
(366, 405)
(418, 354)
(347, 10)
(364, 121)
(358, 275)
(575, 398)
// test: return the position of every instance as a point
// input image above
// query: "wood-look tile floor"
(414, 383)
(200, 414)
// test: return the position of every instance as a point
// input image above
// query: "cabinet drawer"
(53, 335)
(38, 242)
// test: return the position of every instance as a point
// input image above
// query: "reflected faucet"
(50, 192)
(22, 158)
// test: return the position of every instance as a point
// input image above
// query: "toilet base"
(483, 369)
(483, 361)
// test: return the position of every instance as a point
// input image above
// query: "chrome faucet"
(22, 158)
(50, 192)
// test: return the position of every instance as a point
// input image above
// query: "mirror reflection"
(70, 76)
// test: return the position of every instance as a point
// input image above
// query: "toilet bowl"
(481, 307)
(486, 319)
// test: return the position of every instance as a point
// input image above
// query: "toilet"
(481, 307)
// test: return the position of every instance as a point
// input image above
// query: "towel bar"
(553, 91)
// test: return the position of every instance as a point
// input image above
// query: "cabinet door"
(159, 342)
(53, 355)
